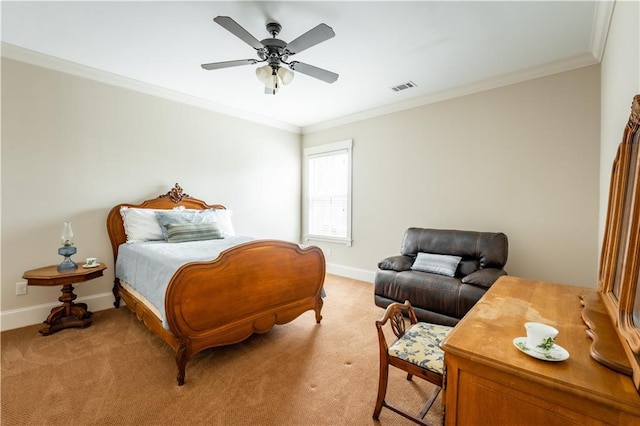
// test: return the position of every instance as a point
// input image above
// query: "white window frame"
(318, 150)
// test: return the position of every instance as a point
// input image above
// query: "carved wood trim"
(618, 285)
(606, 347)
(175, 194)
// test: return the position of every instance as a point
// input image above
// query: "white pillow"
(441, 264)
(141, 224)
(223, 217)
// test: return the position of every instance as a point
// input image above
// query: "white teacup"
(91, 261)
(540, 337)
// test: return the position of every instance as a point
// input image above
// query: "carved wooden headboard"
(620, 256)
(173, 198)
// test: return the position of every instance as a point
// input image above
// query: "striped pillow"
(184, 216)
(441, 264)
(182, 232)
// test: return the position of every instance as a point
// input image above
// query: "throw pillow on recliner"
(441, 264)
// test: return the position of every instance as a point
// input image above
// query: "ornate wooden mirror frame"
(620, 255)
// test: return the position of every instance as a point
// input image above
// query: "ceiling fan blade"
(315, 72)
(234, 28)
(228, 64)
(312, 37)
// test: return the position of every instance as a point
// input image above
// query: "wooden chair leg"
(382, 389)
(429, 403)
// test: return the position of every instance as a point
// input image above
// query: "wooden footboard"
(248, 289)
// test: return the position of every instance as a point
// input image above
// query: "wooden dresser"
(491, 382)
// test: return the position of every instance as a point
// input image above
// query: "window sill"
(346, 241)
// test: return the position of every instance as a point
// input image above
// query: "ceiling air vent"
(403, 86)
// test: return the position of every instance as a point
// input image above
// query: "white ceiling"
(445, 48)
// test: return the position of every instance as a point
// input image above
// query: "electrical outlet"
(328, 252)
(21, 289)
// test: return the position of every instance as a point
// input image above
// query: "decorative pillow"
(222, 217)
(182, 232)
(436, 263)
(184, 216)
(140, 224)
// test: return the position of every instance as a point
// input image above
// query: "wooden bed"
(248, 289)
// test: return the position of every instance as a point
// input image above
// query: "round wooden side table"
(70, 314)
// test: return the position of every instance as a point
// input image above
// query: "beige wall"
(522, 159)
(72, 148)
(620, 82)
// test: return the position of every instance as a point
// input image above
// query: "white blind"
(329, 194)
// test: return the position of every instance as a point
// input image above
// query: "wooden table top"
(486, 336)
(50, 276)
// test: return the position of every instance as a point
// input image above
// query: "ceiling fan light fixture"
(285, 75)
(264, 74)
(271, 77)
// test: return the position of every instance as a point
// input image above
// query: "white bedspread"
(149, 266)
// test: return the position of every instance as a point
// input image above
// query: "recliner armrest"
(484, 277)
(396, 263)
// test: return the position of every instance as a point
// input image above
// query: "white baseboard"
(31, 315)
(22, 317)
(353, 273)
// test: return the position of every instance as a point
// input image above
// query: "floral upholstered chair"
(416, 351)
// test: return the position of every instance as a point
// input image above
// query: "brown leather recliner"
(438, 298)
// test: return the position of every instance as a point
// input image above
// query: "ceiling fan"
(275, 53)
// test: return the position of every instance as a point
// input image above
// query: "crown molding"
(545, 70)
(604, 10)
(601, 23)
(32, 57)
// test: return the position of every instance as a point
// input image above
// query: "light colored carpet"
(117, 373)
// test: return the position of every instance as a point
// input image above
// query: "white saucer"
(93, 266)
(556, 353)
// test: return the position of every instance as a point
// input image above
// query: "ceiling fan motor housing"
(273, 28)
(274, 50)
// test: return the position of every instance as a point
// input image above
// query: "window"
(327, 192)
